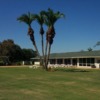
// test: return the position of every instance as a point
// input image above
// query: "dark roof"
(76, 54)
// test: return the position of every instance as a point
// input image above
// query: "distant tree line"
(12, 51)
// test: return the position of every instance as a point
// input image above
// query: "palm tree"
(97, 44)
(50, 19)
(40, 20)
(90, 49)
(28, 19)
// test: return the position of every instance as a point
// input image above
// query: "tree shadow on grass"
(72, 70)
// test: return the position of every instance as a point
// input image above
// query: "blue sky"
(79, 30)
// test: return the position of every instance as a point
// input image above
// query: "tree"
(9, 49)
(40, 20)
(97, 44)
(90, 49)
(13, 52)
(28, 19)
(50, 19)
(28, 53)
(0, 48)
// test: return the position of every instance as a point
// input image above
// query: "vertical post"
(71, 61)
(63, 61)
(77, 62)
(23, 63)
(55, 61)
(96, 63)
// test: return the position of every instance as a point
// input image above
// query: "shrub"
(93, 66)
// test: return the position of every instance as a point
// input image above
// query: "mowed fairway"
(23, 83)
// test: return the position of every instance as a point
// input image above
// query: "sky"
(79, 30)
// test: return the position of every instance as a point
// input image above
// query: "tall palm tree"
(28, 19)
(90, 49)
(50, 19)
(40, 19)
(97, 44)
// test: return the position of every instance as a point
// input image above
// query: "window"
(92, 60)
(67, 61)
(86, 61)
(98, 61)
(80, 60)
(52, 61)
(59, 61)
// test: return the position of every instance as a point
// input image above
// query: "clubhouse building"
(80, 59)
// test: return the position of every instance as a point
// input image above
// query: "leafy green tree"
(28, 53)
(0, 48)
(10, 49)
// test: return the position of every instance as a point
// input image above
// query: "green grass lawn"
(36, 84)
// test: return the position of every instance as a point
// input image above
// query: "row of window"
(82, 61)
(60, 61)
(86, 60)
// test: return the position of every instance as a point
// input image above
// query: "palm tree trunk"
(42, 43)
(48, 54)
(35, 46)
(45, 58)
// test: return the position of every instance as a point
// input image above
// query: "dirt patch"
(69, 83)
(26, 91)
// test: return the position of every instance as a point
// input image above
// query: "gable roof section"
(81, 54)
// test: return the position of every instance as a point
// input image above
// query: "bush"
(18, 63)
(1, 63)
(93, 66)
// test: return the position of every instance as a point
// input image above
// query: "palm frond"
(26, 18)
(97, 44)
(40, 18)
(52, 17)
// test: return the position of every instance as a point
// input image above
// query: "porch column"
(63, 62)
(55, 61)
(77, 62)
(96, 63)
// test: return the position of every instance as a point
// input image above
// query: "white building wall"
(77, 62)
(97, 62)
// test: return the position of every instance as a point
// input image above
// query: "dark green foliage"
(28, 53)
(26, 18)
(14, 52)
(11, 50)
(90, 49)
